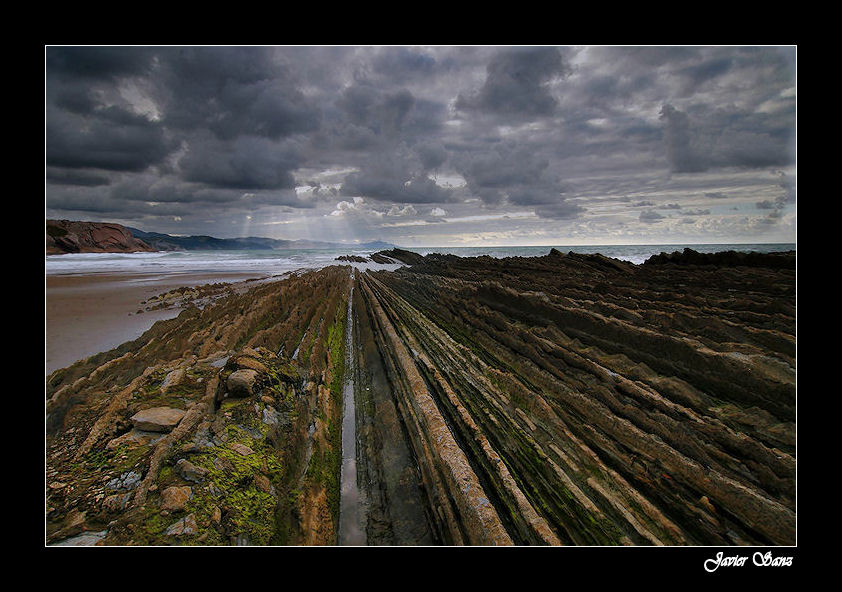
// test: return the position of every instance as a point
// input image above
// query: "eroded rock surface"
(556, 400)
(599, 402)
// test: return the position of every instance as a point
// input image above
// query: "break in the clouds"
(427, 145)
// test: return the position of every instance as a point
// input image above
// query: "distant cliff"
(64, 236)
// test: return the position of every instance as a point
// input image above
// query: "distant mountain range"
(66, 236)
(168, 242)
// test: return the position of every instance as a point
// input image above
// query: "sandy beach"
(88, 314)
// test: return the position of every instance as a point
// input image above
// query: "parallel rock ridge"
(557, 400)
(64, 236)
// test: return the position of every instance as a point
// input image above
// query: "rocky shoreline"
(559, 400)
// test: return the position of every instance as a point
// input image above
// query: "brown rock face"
(157, 419)
(64, 236)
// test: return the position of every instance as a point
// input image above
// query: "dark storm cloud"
(76, 177)
(432, 155)
(232, 91)
(247, 162)
(383, 113)
(148, 131)
(97, 62)
(109, 138)
(516, 83)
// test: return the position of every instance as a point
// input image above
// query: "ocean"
(276, 262)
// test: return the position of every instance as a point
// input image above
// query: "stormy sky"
(427, 146)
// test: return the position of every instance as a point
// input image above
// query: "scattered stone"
(706, 503)
(116, 503)
(185, 527)
(263, 484)
(157, 419)
(191, 472)
(174, 378)
(86, 539)
(216, 515)
(127, 480)
(241, 448)
(134, 437)
(174, 499)
(224, 465)
(270, 416)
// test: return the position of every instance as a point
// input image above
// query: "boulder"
(157, 419)
(174, 499)
(241, 383)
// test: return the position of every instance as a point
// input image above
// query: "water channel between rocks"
(351, 529)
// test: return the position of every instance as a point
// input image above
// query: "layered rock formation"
(595, 401)
(557, 400)
(64, 236)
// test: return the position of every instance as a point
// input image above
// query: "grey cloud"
(381, 112)
(432, 155)
(233, 91)
(248, 162)
(719, 138)
(561, 210)
(391, 179)
(76, 177)
(97, 62)
(516, 83)
(111, 139)
(231, 127)
(403, 63)
(683, 155)
(506, 166)
(516, 175)
(650, 216)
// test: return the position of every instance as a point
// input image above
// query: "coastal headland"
(566, 399)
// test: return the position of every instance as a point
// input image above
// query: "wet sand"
(88, 314)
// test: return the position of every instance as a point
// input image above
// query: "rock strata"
(559, 400)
